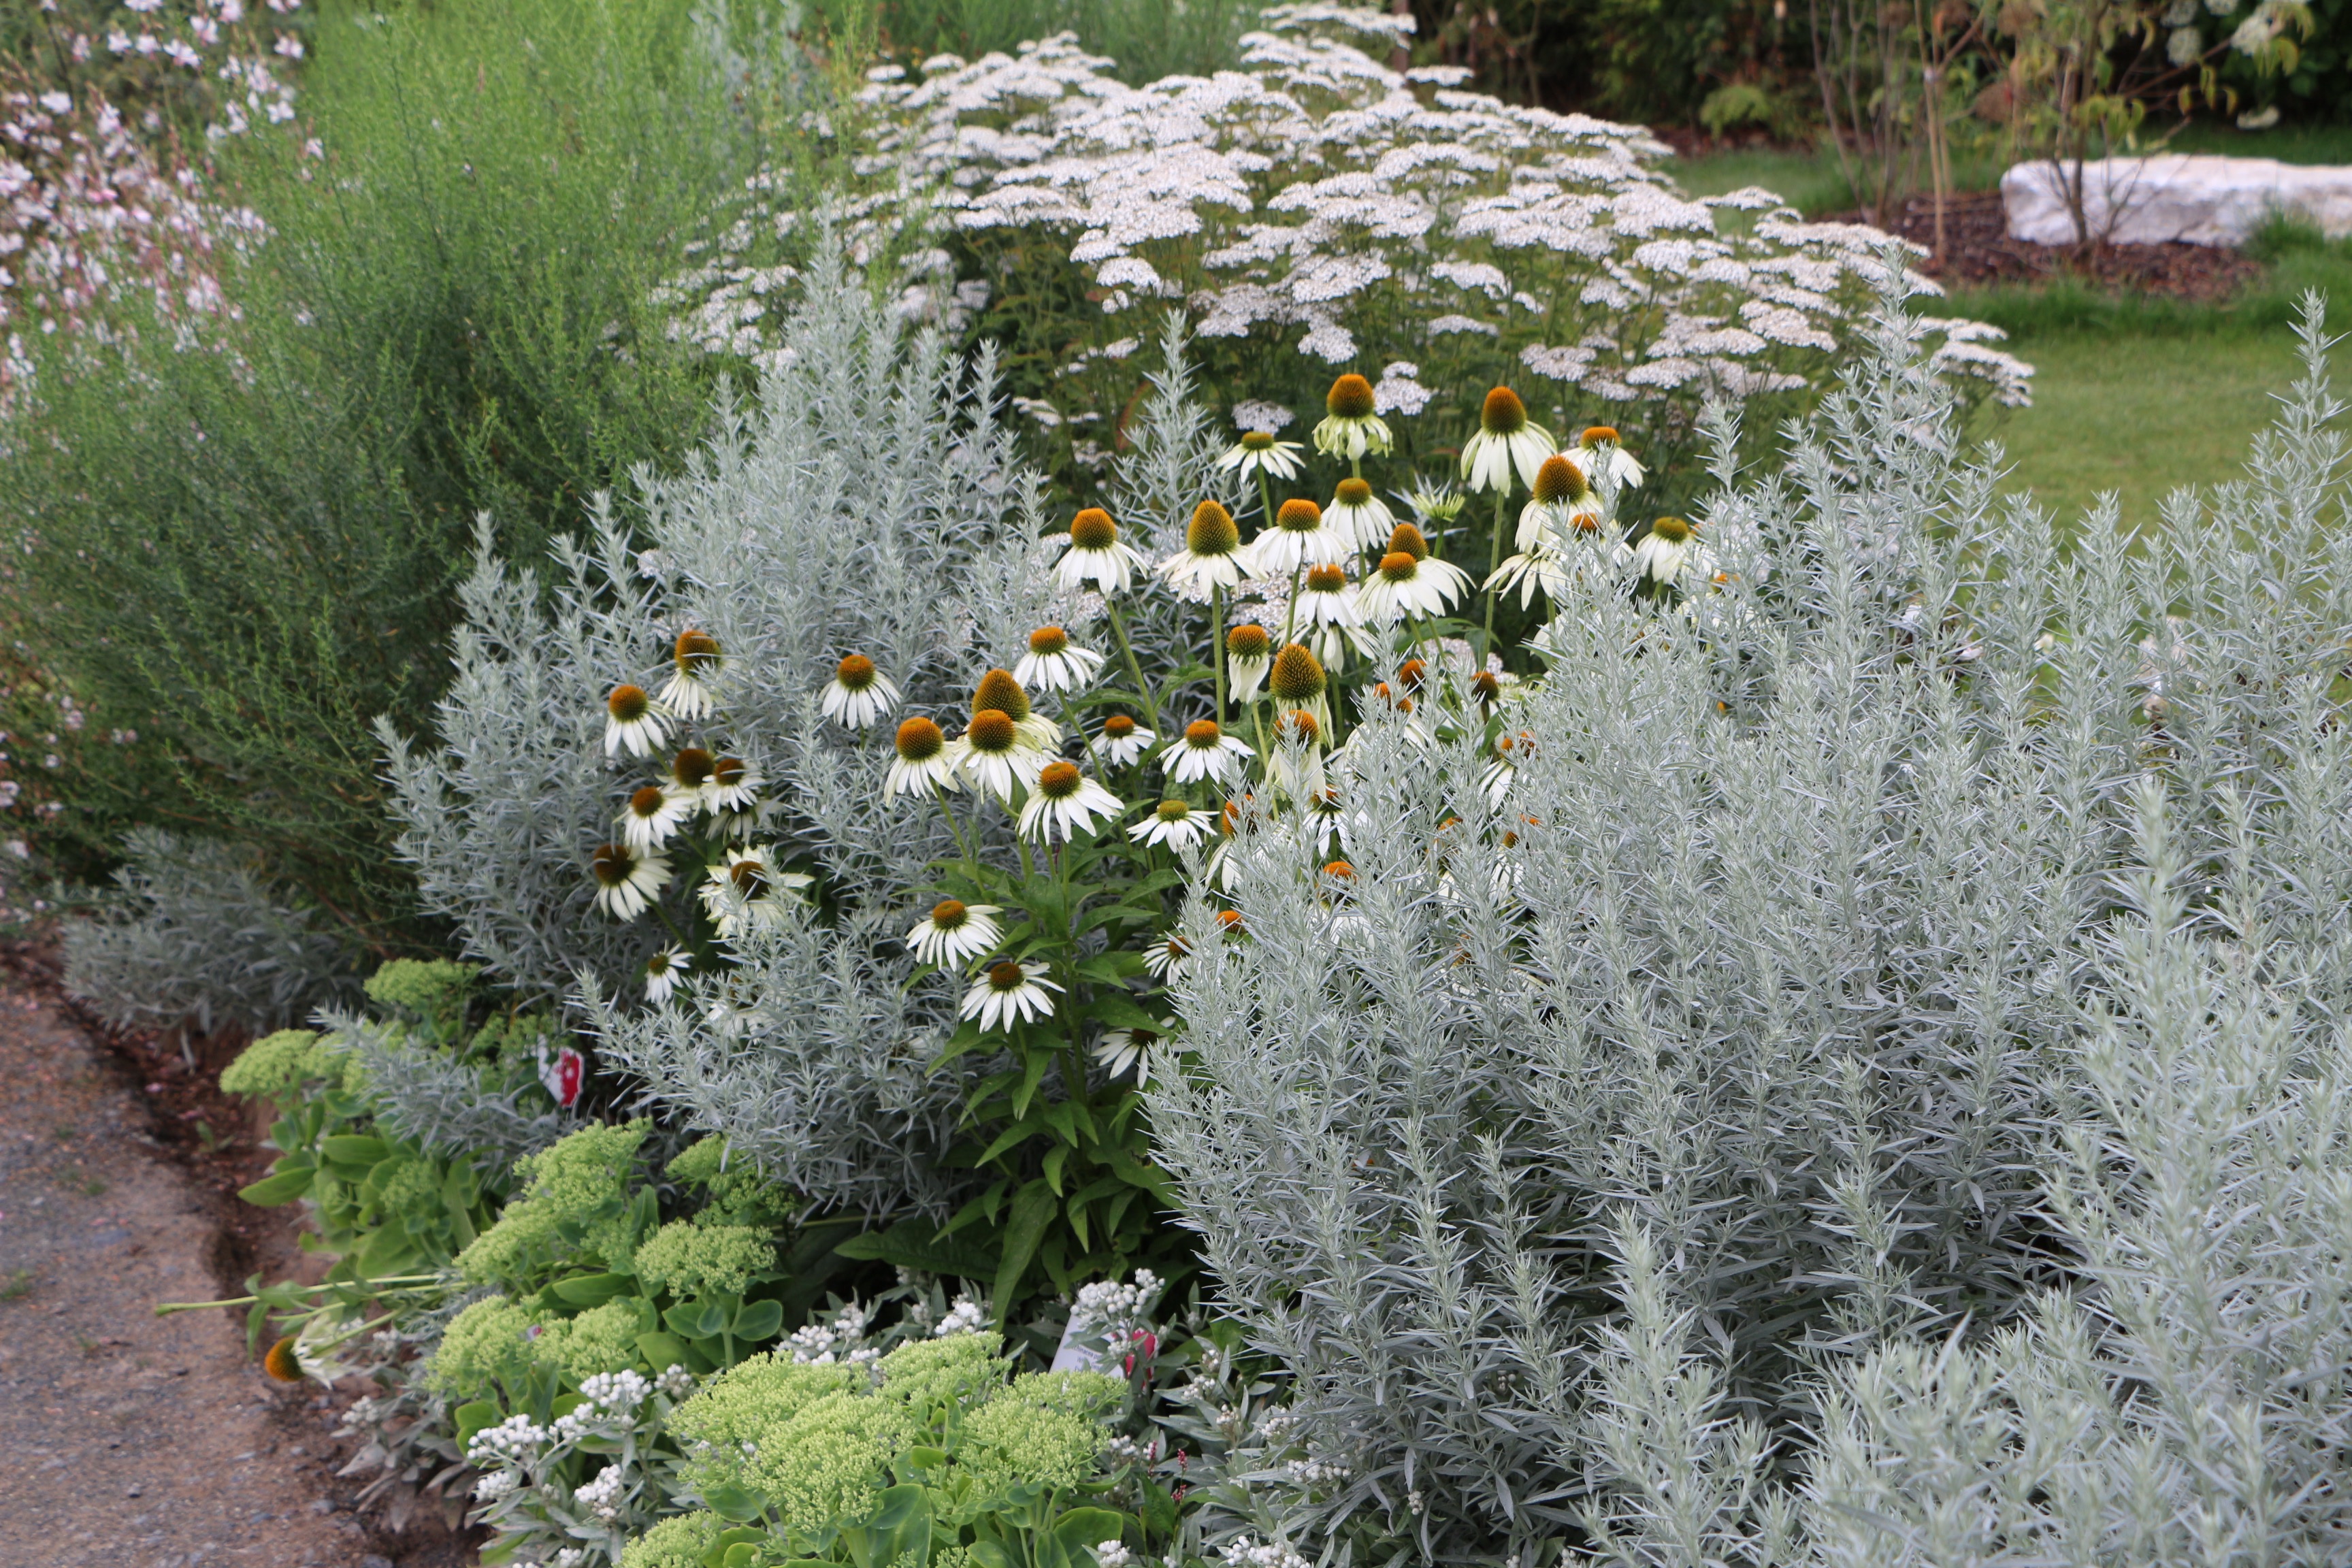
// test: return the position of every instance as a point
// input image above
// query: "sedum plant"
(1857, 1082)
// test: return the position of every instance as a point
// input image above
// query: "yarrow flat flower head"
(696, 658)
(1258, 453)
(651, 818)
(633, 720)
(1177, 824)
(1212, 556)
(1007, 993)
(1064, 803)
(1202, 751)
(1358, 516)
(1096, 554)
(664, 970)
(858, 693)
(1351, 429)
(1057, 664)
(922, 763)
(626, 881)
(1506, 440)
(1601, 450)
(954, 933)
(1298, 538)
(994, 756)
(1249, 651)
(1123, 742)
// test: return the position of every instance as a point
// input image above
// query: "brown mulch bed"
(1978, 251)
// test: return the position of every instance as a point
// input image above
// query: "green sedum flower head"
(488, 1344)
(688, 1258)
(276, 1063)
(581, 1185)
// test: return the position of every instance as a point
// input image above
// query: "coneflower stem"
(1217, 649)
(970, 865)
(1290, 610)
(1494, 565)
(1134, 670)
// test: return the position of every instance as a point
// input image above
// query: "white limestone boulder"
(2192, 197)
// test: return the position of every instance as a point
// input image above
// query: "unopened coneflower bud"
(1048, 640)
(1299, 516)
(696, 651)
(1503, 413)
(857, 672)
(1297, 676)
(691, 767)
(281, 1364)
(1057, 781)
(1558, 480)
(628, 703)
(1596, 434)
(1408, 540)
(1354, 493)
(991, 730)
(1325, 579)
(1248, 641)
(1350, 397)
(920, 740)
(1093, 530)
(999, 690)
(1211, 530)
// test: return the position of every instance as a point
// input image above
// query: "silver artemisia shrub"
(873, 508)
(1861, 1080)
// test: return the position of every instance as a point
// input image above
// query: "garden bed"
(1978, 252)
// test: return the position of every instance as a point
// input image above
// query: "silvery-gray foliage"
(1871, 1089)
(190, 936)
(441, 1104)
(871, 502)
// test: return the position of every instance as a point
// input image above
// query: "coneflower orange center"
(1203, 733)
(855, 672)
(646, 802)
(1399, 567)
(999, 690)
(1596, 434)
(1118, 727)
(1350, 397)
(1257, 440)
(1354, 493)
(1338, 869)
(695, 651)
(991, 730)
(611, 864)
(281, 1362)
(1413, 672)
(1173, 810)
(1048, 640)
(1297, 516)
(1230, 918)
(1503, 413)
(1297, 675)
(1211, 530)
(1405, 537)
(1093, 530)
(1007, 976)
(1325, 579)
(1557, 480)
(920, 740)
(1057, 781)
(1485, 686)
(750, 877)
(1300, 725)
(1672, 530)
(691, 767)
(1248, 642)
(727, 771)
(628, 703)
(950, 914)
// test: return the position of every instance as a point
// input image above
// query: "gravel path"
(126, 1438)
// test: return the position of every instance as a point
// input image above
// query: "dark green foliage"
(1656, 61)
(1148, 39)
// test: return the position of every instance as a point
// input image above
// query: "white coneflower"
(858, 694)
(1297, 682)
(923, 761)
(1506, 439)
(1561, 507)
(1539, 567)
(1327, 609)
(626, 881)
(1249, 650)
(1665, 552)
(1212, 556)
(1167, 958)
(651, 818)
(954, 933)
(1055, 663)
(749, 889)
(733, 789)
(994, 756)
(1600, 451)
(1510, 751)
(1296, 763)
(688, 693)
(1351, 429)
(1123, 742)
(1000, 690)
(664, 970)
(1202, 751)
(1408, 585)
(689, 776)
(633, 720)
(1298, 538)
(1257, 452)
(1096, 554)
(1358, 516)
(1007, 993)
(1064, 802)
(1438, 503)
(1178, 824)
(1120, 1050)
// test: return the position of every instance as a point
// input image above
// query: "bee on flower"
(1600, 451)
(1203, 751)
(1064, 803)
(1096, 554)
(1122, 742)
(1298, 538)
(633, 721)
(1249, 653)
(1055, 663)
(1212, 557)
(626, 881)
(1358, 516)
(749, 889)
(664, 971)
(1352, 429)
(1177, 824)
(1007, 993)
(1507, 441)
(954, 933)
(922, 762)
(696, 661)
(652, 816)
(1258, 454)
(858, 694)
(1410, 583)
